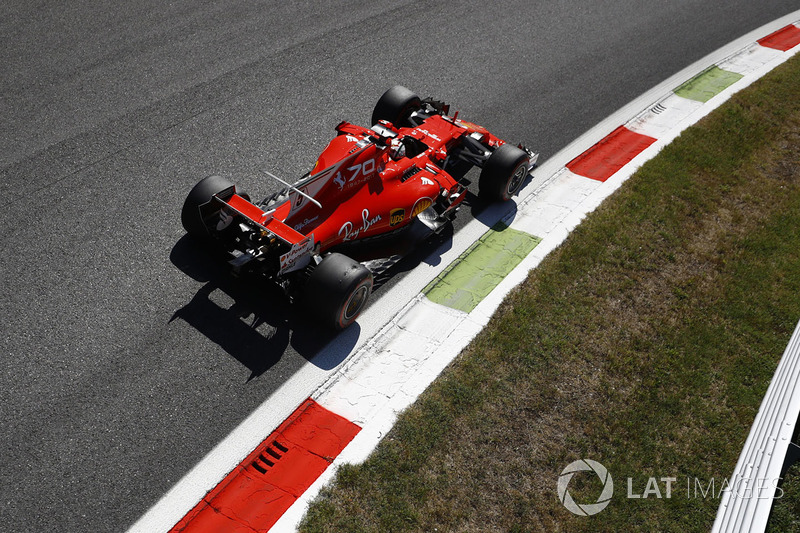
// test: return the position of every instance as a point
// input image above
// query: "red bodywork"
(373, 195)
(363, 190)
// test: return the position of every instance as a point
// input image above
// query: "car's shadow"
(251, 319)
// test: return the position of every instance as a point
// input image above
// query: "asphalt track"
(128, 354)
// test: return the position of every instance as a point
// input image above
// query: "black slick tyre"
(337, 291)
(191, 217)
(396, 105)
(503, 173)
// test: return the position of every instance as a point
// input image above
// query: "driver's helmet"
(398, 149)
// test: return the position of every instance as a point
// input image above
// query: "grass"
(785, 516)
(645, 342)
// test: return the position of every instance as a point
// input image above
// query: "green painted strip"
(477, 271)
(707, 84)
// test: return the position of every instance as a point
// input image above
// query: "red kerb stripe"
(783, 39)
(602, 160)
(258, 491)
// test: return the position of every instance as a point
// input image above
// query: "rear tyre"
(337, 291)
(396, 105)
(191, 218)
(503, 173)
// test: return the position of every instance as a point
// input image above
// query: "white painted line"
(659, 119)
(751, 59)
(369, 383)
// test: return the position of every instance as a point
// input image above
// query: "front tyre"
(503, 173)
(191, 215)
(396, 105)
(337, 291)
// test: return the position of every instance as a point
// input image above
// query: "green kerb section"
(478, 270)
(707, 84)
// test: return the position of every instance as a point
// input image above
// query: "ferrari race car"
(367, 187)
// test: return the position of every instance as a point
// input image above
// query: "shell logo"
(421, 205)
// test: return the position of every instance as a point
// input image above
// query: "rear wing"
(270, 221)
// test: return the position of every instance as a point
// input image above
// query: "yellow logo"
(396, 216)
(421, 205)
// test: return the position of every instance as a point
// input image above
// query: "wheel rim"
(355, 303)
(516, 179)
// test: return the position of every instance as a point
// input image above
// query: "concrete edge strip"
(747, 501)
(389, 371)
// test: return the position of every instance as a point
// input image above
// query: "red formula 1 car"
(367, 187)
